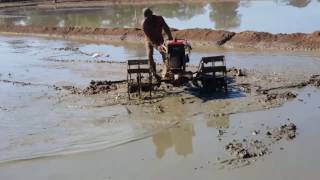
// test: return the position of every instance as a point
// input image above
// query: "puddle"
(269, 16)
(193, 150)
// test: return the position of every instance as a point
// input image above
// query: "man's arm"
(166, 29)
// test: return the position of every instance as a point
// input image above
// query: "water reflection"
(225, 15)
(111, 16)
(222, 122)
(180, 11)
(179, 138)
(230, 15)
(299, 3)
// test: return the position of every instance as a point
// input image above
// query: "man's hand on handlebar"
(162, 48)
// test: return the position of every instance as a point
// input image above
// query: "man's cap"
(147, 12)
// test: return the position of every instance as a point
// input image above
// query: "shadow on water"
(213, 93)
(178, 138)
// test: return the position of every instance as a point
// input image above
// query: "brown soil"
(198, 37)
(263, 40)
(204, 36)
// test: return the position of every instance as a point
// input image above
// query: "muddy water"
(39, 121)
(32, 60)
(270, 16)
(57, 62)
(192, 150)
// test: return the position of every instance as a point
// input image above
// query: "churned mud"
(246, 151)
(199, 37)
(68, 104)
(117, 90)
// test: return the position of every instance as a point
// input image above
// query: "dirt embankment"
(198, 37)
(127, 35)
(263, 40)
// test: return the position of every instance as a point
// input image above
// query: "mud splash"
(199, 37)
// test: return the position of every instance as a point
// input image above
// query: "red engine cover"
(176, 42)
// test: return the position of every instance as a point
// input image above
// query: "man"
(152, 27)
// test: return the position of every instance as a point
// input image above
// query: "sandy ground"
(47, 120)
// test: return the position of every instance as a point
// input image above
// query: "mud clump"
(314, 80)
(287, 131)
(95, 87)
(246, 150)
(236, 72)
(275, 96)
(99, 87)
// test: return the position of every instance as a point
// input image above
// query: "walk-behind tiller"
(211, 73)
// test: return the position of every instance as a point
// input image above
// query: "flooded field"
(193, 150)
(39, 121)
(274, 16)
(264, 127)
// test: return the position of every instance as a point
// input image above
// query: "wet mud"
(247, 151)
(101, 87)
(47, 119)
(286, 131)
(239, 80)
(199, 37)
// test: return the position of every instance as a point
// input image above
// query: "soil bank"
(198, 37)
